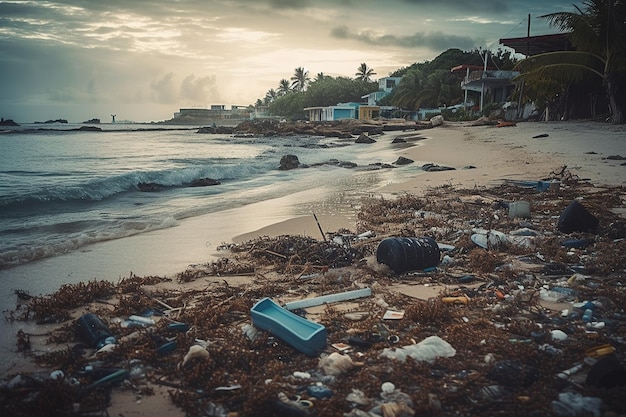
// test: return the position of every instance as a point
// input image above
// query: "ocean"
(67, 195)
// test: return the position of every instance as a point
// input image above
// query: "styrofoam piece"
(330, 298)
(301, 334)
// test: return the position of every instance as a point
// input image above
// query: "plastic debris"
(336, 364)
(427, 350)
(571, 404)
(327, 299)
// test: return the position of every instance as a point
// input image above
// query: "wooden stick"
(320, 227)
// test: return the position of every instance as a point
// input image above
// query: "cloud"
(489, 6)
(163, 90)
(436, 41)
(198, 90)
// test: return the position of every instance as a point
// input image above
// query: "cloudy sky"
(143, 60)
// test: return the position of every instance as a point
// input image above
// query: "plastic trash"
(403, 254)
(607, 372)
(488, 238)
(519, 209)
(588, 315)
(576, 218)
(336, 364)
(319, 391)
(301, 334)
(572, 404)
(330, 298)
(513, 373)
(92, 330)
(427, 350)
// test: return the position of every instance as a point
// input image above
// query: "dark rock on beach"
(435, 168)
(8, 122)
(288, 162)
(342, 129)
(364, 138)
(150, 186)
(219, 130)
(204, 182)
(403, 161)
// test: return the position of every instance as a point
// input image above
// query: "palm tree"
(598, 31)
(405, 95)
(270, 96)
(364, 73)
(284, 87)
(300, 79)
(319, 77)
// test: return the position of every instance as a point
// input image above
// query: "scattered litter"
(327, 299)
(427, 350)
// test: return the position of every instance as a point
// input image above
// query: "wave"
(67, 237)
(47, 197)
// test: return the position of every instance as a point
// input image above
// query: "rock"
(150, 186)
(403, 161)
(364, 138)
(435, 168)
(483, 121)
(204, 182)
(8, 122)
(398, 140)
(288, 162)
(436, 120)
(89, 129)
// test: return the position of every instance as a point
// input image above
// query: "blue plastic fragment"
(576, 243)
(301, 334)
(319, 391)
(179, 327)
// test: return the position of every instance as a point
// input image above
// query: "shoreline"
(499, 154)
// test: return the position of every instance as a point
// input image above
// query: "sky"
(144, 60)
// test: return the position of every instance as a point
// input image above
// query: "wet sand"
(497, 154)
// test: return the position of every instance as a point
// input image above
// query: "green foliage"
(598, 31)
(364, 73)
(290, 106)
(325, 91)
(427, 84)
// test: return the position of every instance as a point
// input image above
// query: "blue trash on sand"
(301, 334)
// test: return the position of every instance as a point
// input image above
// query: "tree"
(270, 96)
(319, 77)
(364, 73)
(284, 87)
(300, 79)
(598, 31)
(405, 95)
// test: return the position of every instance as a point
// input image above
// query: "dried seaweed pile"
(505, 362)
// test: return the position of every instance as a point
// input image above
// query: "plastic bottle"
(403, 254)
(93, 331)
(588, 315)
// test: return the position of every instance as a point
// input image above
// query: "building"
(215, 112)
(385, 86)
(342, 111)
(493, 85)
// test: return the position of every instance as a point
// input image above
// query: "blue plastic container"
(301, 334)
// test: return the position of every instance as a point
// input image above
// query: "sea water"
(70, 199)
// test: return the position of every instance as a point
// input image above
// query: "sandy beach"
(498, 155)
(483, 157)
